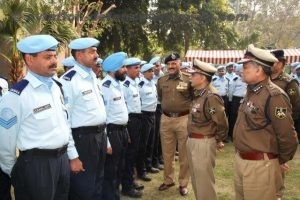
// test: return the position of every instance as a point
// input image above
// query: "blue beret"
(132, 61)
(154, 60)
(184, 65)
(99, 61)
(238, 67)
(230, 64)
(146, 67)
(143, 62)
(83, 43)
(171, 57)
(295, 64)
(68, 62)
(37, 43)
(114, 62)
(297, 67)
(220, 67)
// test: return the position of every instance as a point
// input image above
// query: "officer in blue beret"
(34, 119)
(117, 118)
(68, 63)
(97, 69)
(132, 98)
(157, 159)
(87, 117)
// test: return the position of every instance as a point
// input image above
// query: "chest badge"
(182, 86)
(280, 112)
(212, 111)
(291, 91)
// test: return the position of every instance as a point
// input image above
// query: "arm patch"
(141, 84)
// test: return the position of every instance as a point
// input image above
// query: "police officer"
(117, 118)
(221, 83)
(133, 101)
(289, 85)
(68, 63)
(148, 95)
(207, 127)
(264, 135)
(97, 69)
(157, 159)
(87, 119)
(33, 119)
(175, 94)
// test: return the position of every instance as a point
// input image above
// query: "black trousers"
(91, 144)
(134, 131)
(297, 127)
(114, 165)
(234, 108)
(157, 151)
(5, 185)
(144, 159)
(37, 177)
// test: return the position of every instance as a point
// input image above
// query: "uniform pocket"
(45, 120)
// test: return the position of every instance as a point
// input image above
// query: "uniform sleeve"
(217, 112)
(281, 118)
(10, 119)
(294, 95)
(68, 96)
(72, 152)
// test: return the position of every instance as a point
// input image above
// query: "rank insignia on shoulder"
(291, 91)
(126, 83)
(212, 111)
(107, 83)
(280, 112)
(7, 118)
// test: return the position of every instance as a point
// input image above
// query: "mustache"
(53, 66)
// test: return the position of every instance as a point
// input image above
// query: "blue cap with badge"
(37, 43)
(146, 67)
(68, 62)
(114, 62)
(154, 60)
(83, 43)
(132, 61)
(230, 64)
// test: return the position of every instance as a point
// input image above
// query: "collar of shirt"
(199, 92)
(132, 82)
(147, 82)
(256, 88)
(36, 80)
(175, 76)
(84, 71)
(114, 82)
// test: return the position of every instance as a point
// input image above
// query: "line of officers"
(79, 138)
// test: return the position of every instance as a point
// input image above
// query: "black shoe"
(144, 177)
(158, 166)
(138, 186)
(161, 161)
(133, 193)
(152, 170)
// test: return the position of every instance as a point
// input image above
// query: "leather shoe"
(133, 193)
(144, 177)
(138, 186)
(164, 186)
(152, 170)
(183, 190)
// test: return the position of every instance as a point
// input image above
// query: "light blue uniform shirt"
(148, 95)
(239, 87)
(33, 118)
(230, 77)
(83, 97)
(114, 101)
(155, 79)
(131, 94)
(221, 83)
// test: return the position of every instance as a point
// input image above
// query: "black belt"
(173, 114)
(134, 114)
(90, 129)
(45, 152)
(148, 112)
(116, 126)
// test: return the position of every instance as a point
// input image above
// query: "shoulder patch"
(69, 75)
(141, 84)
(107, 83)
(19, 87)
(126, 83)
(236, 78)
(214, 79)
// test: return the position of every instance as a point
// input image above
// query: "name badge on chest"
(86, 92)
(42, 108)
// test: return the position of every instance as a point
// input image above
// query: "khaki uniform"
(264, 137)
(207, 119)
(175, 94)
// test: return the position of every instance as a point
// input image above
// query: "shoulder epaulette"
(274, 90)
(141, 84)
(286, 77)
(107, 83)
(19, 87)
(236, 78)
(69, 75)
(126, 83)
(214, 79)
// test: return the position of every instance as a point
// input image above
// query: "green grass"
(224, 180)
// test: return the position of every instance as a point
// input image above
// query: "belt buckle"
(174, 114)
